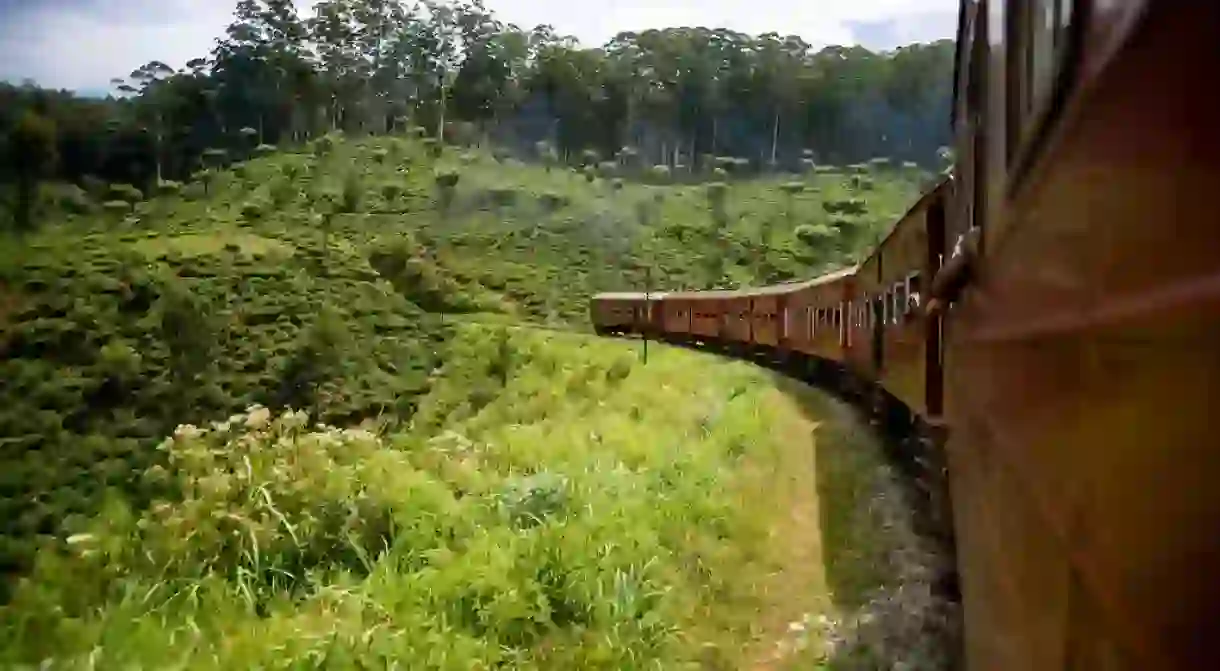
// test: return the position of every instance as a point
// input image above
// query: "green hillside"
(513, 496)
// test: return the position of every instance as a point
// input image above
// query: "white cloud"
(82, 44)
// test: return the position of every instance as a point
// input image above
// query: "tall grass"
(557, 504)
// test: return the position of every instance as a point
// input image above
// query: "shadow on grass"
(890, 576)
(885, 576)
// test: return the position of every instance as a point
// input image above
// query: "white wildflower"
(187, 432)
(295, 419)
(77, 539)
(258, 417)
(359, 435)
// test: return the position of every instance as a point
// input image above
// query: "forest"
(678, 97)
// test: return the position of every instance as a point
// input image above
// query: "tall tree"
(32, 151)
(146, 83)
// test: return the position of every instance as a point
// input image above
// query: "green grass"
(532, 498)
(557, 504)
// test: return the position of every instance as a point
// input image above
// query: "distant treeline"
(674, 97)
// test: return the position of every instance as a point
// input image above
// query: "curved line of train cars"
(1054, 307)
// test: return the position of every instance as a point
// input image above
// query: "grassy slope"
(558, 504)
(199, 305)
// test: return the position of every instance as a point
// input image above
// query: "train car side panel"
(1082, 372)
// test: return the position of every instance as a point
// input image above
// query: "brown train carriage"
(796, 332)
(737, 323)
(616, 312)
(676, 311)
(1082, 341)
(906, 368)
(707, 314)
(862, 353)
(767, 306)
(824, 315)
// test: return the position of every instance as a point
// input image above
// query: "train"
(1050, 313)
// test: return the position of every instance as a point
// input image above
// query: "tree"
(32, 154)
(146, 83)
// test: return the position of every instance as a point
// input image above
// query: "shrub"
(812, 235)
(501, 154)
(284, 192)
(792, 188)
(503, 196)
(590, 157)
(353, 192)
(391, 190)
(324, 145)
(547, 154)
(432, 147)
(117, 207)
(169, 188)
(380, 155)
(529, 501)
(552, 201)
(617, 184)
(720, 174)
(607, 169)
(660, 173)
(215, 157)
(447, 179)
(252, 209)
(73, 200)
(590, 173)
(629, 156)
(94, 186)
(446, 184)
(194, 191)
(265, 500)
(849, 206)
(125, 192)
(264, 150)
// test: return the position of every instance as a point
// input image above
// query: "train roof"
(920, 205)
(629, 295)
(770, 290)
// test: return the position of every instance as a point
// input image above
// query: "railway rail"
(1050, 314)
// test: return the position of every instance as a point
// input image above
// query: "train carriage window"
(1038, 34)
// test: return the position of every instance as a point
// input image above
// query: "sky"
(82, 44)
